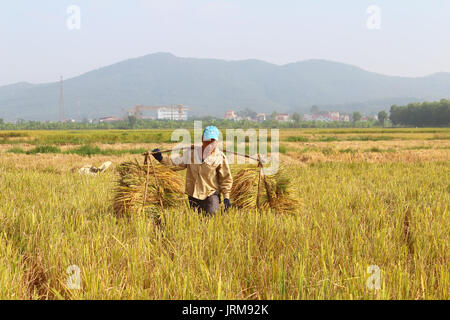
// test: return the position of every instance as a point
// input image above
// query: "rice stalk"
(130, 189)
(276, 191)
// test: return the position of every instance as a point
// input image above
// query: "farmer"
(208, 173)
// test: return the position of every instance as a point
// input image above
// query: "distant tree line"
(426, 114)
(133, 123)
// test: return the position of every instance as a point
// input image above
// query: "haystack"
(159, 185)
(276, 191)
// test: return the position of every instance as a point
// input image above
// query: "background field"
(370, 197)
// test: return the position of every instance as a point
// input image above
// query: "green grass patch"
(328, 139)
(260, 149)
(376, 149)
(369, 138)
(282, 149)
(418, 148)
(12, 134)
(44, 149)
(348, 150)
(439, 137)
(310, 149)
(297, 139)
(108, 137)
(328, 151)
(85, 150)
(17, 150)
(89, 150)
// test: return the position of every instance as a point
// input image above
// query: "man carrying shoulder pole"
(208, 173)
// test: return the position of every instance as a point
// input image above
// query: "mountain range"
(211, 86)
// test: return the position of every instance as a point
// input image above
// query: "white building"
(326, 117)
(172, 114)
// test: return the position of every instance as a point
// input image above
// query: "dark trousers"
(210, 205)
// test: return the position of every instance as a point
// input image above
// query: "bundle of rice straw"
(276, 191)
(167, 189)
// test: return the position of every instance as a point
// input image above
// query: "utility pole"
(61, 101)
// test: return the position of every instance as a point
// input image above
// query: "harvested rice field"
(371, 221)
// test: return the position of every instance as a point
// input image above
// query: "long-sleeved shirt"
(203, 179)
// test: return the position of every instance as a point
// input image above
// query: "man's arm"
(168, 161)
(225, 178)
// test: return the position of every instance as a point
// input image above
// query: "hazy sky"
(37, 46)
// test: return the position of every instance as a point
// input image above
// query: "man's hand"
(157, 155)
(227, 204)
